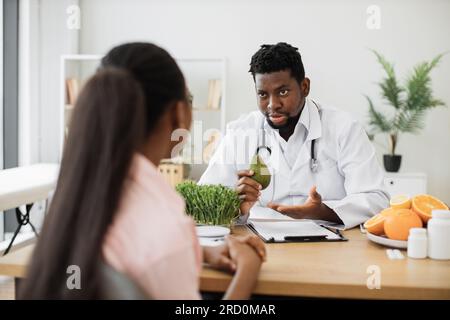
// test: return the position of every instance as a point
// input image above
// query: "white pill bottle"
(417, 243)
(439, 235)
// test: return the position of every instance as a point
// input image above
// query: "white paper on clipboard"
(276, 231)
(265, 213)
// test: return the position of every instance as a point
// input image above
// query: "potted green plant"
(410, 102)
(210, 204)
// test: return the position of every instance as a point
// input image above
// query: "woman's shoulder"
(143, 234)
(154, 211)
(149, 223)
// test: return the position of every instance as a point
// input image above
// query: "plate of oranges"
(391, 226)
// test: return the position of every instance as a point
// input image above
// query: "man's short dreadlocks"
(278, 57)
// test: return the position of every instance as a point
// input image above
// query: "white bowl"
(387, 242)
(212, 231)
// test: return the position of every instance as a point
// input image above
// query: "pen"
(304, 238)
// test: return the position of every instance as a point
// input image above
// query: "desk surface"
(15, 263)
(334, 270)
(340, 270)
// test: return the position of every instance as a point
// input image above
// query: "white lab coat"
(349, 177)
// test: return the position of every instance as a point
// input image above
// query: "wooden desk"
(331, 270)
(15, 263)
(339, 270)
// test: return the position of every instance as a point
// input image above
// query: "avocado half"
(261, 172)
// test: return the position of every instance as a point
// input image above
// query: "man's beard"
(290, 123)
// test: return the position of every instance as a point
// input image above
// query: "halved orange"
(401, 201)
(388, 211)
(375, 225)
(397, 225)
(424, 204)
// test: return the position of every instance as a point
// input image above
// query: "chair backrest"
(117, 286)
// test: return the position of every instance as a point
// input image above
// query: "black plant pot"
(392, 162)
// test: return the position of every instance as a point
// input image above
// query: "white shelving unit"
(80, 67)
(197, 71)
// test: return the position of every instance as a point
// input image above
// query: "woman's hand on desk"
(248, 263)
(220, 257)
(241, 253)
(255, 242)
(313, 208)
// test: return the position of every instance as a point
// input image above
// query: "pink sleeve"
(175, 277)
(196, 244)
(152, 240)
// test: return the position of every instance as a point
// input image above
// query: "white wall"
(29, 81)
(333, 39)
(44, 37)
(1, 109)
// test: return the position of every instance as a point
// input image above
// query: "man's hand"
(313, 208)
(248, 190)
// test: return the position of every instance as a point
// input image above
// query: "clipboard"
(273, 231)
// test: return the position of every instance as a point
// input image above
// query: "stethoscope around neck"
(314, 164)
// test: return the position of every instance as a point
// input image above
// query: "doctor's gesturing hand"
(248, 190)
(313, 208)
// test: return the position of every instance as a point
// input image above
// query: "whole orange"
(397, 224)
(388, 211)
